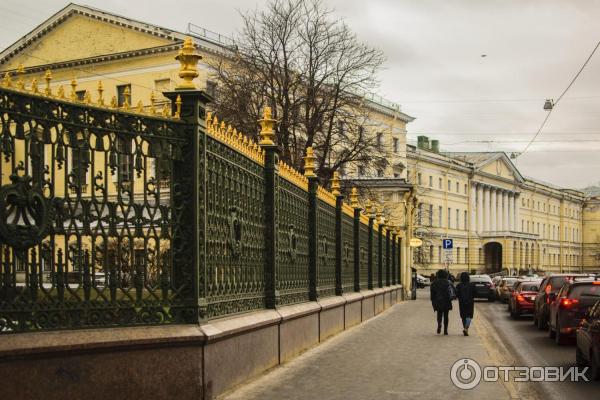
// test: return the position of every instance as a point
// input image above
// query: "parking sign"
(447, 244)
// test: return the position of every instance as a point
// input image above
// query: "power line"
(560, 97)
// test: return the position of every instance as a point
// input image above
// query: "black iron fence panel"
(235, 231)
(325, 249)
(292, 252)
(347, 253)
(85, 215)
(363, 255)
(376, 272)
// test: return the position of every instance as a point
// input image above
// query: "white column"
(499, 218)
(511, 211)
(486, 208)
(505, 211)
(518, 212)
(493, 207)
(479, 207)
(472, 205)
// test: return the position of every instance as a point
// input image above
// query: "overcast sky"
(436, 70)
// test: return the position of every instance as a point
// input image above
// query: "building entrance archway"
(493, 257)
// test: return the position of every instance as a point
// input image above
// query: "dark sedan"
(569, 307)
(588, 341)
(549, 286)
(484, 288)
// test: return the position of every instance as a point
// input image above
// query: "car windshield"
(530, 287)
(585, 290)
(510, 282)
(480, 279)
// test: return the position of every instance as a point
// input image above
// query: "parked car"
(506, 285)
(550, 284)
(522, 298)
(422, 281)
(484, 288)
(568, 307)
(588, 341)
(496, 280)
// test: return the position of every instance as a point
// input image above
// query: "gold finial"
(113, 102)
(152, 101)
(378, 212)
(87, 97)
(127, 97)
(189, 65)
(7, 81)
(61, 92)
(21, 81)
(178, 107)
(354, 198)
(100, 90)
(309, 163)
(48, 78)
(335, 184)
(34, 85)
(165, 111)
(369, 207)
(267, 124)
(73, 89)
(140, 107)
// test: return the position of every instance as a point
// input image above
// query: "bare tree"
(311, 69)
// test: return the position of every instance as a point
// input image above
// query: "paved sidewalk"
(396, 355)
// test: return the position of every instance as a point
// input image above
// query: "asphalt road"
(531, 347)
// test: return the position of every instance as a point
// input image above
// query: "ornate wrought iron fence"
(110, 217)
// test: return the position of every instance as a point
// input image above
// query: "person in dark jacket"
(465, 292)
(441, 299)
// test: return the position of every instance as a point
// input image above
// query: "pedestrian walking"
(442, 293)
(465, 292)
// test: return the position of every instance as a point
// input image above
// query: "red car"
(588, 341)
(522, 297)
(569, 307)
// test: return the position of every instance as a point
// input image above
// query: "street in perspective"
(292, 199)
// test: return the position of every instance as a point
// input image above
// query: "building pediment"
(501, 167)
(79, 32)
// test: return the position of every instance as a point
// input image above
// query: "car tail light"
(596, 283)
(567, 303)
(520, 297)
(547, 290)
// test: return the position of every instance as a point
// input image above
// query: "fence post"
(335, 189)
(387, 256)
(266, 142)
(380, 248)
(393, 244)
(399, 260)
(189, 207)
(370, 244)
(356, 239)
(313, 181)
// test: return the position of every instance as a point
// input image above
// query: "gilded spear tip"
(354, 198)
(335, 184)
(309, 163)
(178, 107)
(48, 78)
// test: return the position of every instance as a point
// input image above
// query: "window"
(431, 215)
(396, 147)
(466, 255)
(480, 260)
(439, 254)
(457, 219)
(361, 170)
(380, 173)
(527, 227)
(121, 94)
(465, 188)
(458, 255)
(80, 159)
(457, 187)
(449, 217)
(522, 226)
(538, 228)
(440, 211)
(211, 88)
(430, 181)
(419, 182)
(80, 95)
(439, 183)
(466, 221)
(125, 157)
(379, 140)
(430, 253)
(420, 216)
(449, 185)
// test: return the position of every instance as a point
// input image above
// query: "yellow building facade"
(498, 219)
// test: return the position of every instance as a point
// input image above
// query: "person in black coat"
(441, 299)
(465, 292)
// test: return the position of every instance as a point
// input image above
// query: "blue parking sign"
(447, 243)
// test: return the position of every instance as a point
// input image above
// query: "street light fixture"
(549, 104)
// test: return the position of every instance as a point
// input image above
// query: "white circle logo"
(465, 374)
